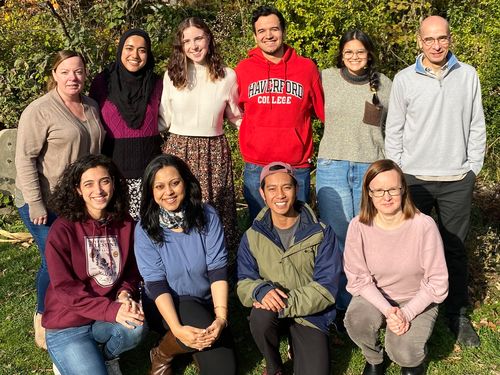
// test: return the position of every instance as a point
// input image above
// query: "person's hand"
(129, 317)
(258, 305)
(193, 337)
(125, 299)
(396, 321)
(215, 329)
(41, 220)
(274, 300)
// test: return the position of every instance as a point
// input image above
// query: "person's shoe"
(55, 369)
(464, 332)
(163, 355)
(374, 369)
(418, 370)
(113, 366)
(39, 331)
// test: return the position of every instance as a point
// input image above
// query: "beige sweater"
(49, 137)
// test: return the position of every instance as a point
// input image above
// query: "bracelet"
(226, 323)
(220, 307)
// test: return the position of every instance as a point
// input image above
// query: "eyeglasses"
(379, 193)
(348, 54)
(442, 40)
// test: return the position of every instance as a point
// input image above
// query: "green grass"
(18, 354)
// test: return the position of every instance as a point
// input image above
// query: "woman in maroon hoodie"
(91, 313)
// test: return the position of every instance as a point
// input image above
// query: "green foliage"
(31, 31)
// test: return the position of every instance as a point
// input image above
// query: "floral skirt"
(134, 191)
(209, 158)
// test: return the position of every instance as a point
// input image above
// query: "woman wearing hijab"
(128, 93)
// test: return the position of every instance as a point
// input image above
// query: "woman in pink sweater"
(396, 272)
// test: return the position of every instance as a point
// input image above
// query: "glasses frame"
(442, 40)
(375, 193)
(359, 53)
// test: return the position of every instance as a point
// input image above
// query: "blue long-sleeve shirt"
(186, 263)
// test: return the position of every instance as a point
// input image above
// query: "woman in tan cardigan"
(53, 131)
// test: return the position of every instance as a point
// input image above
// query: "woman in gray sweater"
(356, 98)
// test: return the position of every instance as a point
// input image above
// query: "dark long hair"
(178, 62)
(368, 211)
(150, 210)
(65, 200)
(368, 44)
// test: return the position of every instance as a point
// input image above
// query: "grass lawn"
(18, 354)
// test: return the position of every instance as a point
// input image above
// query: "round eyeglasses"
(442, 40)
(349, 54)
(379, 193)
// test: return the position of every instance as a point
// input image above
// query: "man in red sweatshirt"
(278, 92)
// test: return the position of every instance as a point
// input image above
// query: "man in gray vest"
(436, 132)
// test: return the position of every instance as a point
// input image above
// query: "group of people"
(112, 205)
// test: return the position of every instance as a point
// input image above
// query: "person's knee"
(406, 353)
(262, 321)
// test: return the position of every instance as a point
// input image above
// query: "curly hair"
(150, 210)
(178, 62)
(65, 200)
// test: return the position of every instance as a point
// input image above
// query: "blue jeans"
(39, 233)
(76, 351)
(251, 187)
(338, 191)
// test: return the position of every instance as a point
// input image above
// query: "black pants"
(311, 354)
(220, 358)
(452, 201)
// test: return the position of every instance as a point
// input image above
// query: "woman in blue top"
(179, 245)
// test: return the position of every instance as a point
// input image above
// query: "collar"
(451, 62)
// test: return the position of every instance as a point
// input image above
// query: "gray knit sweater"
(346, 137)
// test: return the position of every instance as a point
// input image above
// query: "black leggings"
(218, 359)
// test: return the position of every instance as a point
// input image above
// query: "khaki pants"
(363, 322)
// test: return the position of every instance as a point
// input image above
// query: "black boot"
(163, 355)
(374, 369)
(462, 328)
(418, 370)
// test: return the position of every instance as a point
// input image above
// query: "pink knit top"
(387, 267)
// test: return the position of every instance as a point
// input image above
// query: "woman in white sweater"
(198, 93)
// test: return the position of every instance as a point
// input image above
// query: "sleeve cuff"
(260, 291)
(217, 274)
(156, 288)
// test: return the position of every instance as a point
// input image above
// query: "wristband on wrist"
(226, 323)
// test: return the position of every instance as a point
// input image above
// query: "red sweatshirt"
(278, 101)
(89, 264)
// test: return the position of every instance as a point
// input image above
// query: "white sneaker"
(55, 369)
(113, 366)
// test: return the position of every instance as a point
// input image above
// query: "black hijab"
(130, 91)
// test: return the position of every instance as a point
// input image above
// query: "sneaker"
(55, 369)
(113, 366)
(39, 331)
(464, 332)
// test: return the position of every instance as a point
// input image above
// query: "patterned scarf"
(173, 220)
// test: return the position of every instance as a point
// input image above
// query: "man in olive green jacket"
(288, 272)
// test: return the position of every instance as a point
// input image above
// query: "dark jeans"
(452, 201)
(220, 358)
(311, 353)
(39, 233)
